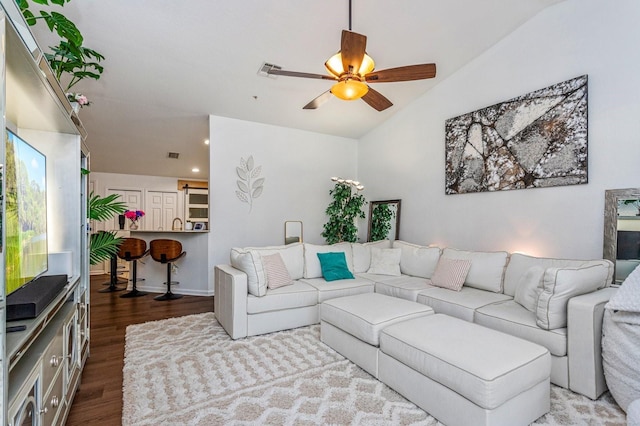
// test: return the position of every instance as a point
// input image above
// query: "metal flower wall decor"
(532, 141)
(250, 184)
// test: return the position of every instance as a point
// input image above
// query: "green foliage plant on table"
(104, 244)
(69, 56)
(346, 207)
(381, 222)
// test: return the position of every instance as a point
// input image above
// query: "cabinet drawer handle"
(55, 401)
(45, 410)
(55, 361)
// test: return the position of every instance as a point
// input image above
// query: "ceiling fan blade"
(319, 101)
(300, 74)
(352, 49)
(407, 73)
(376, 100)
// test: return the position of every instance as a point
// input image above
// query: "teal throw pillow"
(334, 266)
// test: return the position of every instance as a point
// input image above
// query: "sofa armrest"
(230, 300)
(584, 324)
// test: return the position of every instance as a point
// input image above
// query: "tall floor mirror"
(622, 230)
(384, 220)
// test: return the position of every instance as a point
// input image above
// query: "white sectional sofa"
(555, 303)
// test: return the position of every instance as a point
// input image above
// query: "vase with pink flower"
(78, 100)
(133, 216)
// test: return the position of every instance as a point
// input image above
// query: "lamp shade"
(349, 89)
(334, 65)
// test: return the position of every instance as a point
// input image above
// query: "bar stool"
(131, 250)
(113, 280)
(167, 251)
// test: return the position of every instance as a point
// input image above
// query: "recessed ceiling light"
(195, 170)
(206, 141)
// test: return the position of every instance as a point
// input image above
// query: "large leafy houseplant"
(69, 56)
(343, 211)
(104, 244)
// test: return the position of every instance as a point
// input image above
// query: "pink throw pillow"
(276, 271)
(451, 273)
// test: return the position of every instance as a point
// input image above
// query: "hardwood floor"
(99, 399)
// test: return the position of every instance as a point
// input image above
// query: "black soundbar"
(31, 299)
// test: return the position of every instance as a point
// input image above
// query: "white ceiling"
(170, 64)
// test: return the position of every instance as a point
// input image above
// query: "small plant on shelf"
(69, 56)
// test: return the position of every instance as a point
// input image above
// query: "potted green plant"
(104, 244)
(343, 211)
(69, 56)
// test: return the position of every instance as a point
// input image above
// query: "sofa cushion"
(334, 266)
(561, 284)
(329, 290)
(297, 295)
(512, 318)
(419, 261)
(461, 304)
(385, 261)
(312, 268)
(487, 268)
(451, 273)
(403, 287)
(277, 274)
(249, 261)
(362, 254)
(484, 366)
(520, 263)
(529, 288)
(365, 315)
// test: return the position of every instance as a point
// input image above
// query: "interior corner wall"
(296, 165)
(404, 157)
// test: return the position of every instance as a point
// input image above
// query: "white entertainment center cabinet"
(42, 365)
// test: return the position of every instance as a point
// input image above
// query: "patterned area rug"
(187, 371)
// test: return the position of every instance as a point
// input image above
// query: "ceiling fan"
(353, 69)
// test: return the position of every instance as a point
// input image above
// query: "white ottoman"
(463, 373)
(351, 325)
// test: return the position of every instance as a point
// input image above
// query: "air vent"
(266, 67)
(174, 155)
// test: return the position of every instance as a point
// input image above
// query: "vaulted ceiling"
(169, 65)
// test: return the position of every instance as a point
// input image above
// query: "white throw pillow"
(362, 254)
(529, 288)
(312, 268)
(276, 272)
(561, 284)
(249, 262)
(418, 261)
(385, 261)
(487, 268)
(451, 273)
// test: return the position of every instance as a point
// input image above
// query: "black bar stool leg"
(113, 281)
(134, 291)
(168, 295)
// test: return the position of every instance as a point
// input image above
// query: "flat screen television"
(25, 222)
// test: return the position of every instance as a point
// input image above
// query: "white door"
(162, 208)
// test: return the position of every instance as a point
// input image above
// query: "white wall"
(404, 157)
(297, 166)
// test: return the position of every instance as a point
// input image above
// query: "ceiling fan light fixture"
(349, 89)
(367, 65)
(334, 65)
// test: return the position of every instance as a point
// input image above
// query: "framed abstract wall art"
(532, 141)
